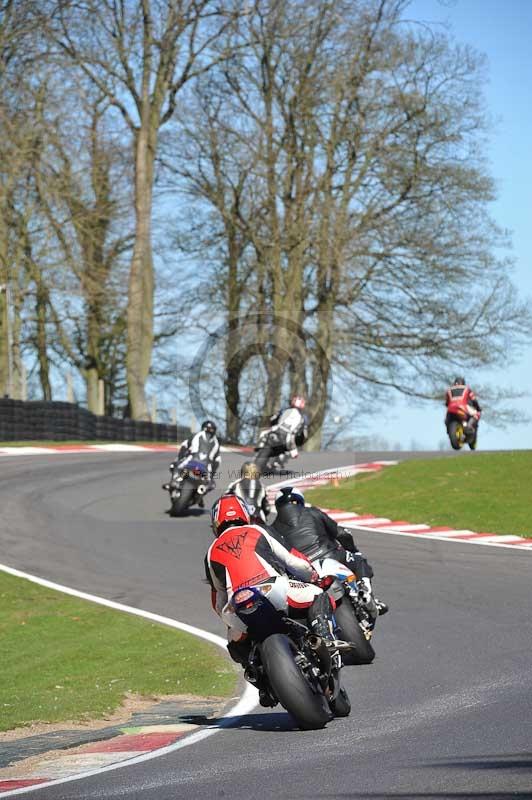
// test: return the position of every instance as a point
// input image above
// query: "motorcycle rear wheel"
(456, 434)
(350, 631)
(186, 498)
(307, 704)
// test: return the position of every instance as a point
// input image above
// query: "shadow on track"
(513, 761)
(498, 761)
(191, 512)
(267, 722)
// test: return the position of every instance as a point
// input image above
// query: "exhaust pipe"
(201, 489)
(319, 646)
(339, 644)
(316, 642)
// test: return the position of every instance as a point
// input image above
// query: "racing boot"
(320, 617)
(239, 650)
(278, 463)
(382, 607)
(365, 596)
(374, 606)
(265, 698)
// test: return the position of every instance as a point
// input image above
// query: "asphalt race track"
(445, 711)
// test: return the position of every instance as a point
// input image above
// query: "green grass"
(484, 492)
(67, 659)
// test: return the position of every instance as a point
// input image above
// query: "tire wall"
(57, 421)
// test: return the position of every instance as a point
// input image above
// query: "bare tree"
(140, 55)
(82, 184)
(363, 204)
(19, 46)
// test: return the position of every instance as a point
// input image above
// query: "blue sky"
(502, 30)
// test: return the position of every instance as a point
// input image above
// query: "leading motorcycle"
(297, 668)
(461, 422)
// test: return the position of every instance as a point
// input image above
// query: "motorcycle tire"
(455, 431)
(305, 703)
(350, 631)
(186, 498)
(261, 459)
(341, 706)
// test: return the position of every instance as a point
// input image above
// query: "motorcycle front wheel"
(185, 499)
(306, 703)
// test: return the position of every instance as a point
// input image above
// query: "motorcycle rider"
(459, 390)
(308, 530)
(203, 446)
(250, 489)
(244, 554)
(293, 426)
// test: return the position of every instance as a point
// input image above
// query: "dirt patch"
(132, 704)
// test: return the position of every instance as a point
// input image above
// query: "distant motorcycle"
(462, 424)
(271, 445)
(297, 668)
(187, 487)
(354, 623)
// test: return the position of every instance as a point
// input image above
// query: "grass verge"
(483, 492)
(69, 659)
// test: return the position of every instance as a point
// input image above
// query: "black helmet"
(287, 494)
(209, 427)
(460, 381)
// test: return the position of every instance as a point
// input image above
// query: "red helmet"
(229, 510)
(297, 402)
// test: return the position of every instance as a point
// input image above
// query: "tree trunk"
(42, 340)
(4, 344)
(141, 280)
(18, 376)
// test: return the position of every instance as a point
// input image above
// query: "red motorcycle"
(462, 424)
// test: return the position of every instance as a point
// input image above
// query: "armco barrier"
(58, 421)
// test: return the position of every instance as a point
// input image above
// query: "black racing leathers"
(316, 535)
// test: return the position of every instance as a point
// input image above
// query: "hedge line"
(38, 420)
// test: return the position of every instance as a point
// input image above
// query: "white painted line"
(25, 451)
(419, 527)
(499, 538)
(119, 448)
(442, 537)
(247, 702)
